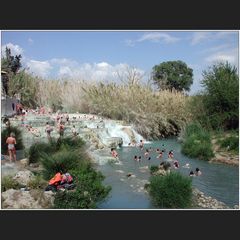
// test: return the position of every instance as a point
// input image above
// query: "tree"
(221, 89)
(10, 66)
(173, 75)
(11, 63)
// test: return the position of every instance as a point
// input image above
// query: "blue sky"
(99, 55)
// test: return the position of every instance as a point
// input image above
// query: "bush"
(61, 161)
(197, 142)
(88, 192)
(35, 151)
(171, 191)
(18, 135)
(153, 169)
(8, 182)
(70, 142)
(232, 142)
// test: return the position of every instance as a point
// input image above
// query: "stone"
(24, 162)
(34, 199)
(23, 177)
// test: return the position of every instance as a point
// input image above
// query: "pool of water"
(217, 180)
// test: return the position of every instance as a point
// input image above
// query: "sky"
(106, 55)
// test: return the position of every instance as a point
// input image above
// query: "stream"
(217, 180)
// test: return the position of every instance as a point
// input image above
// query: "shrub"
(18, 135)
(35, 151)
(70, 142)
(8, 182)
(153, 169)
(61, 161)
(89, 190)
(197, 142)
(232, 142)
(171, 191)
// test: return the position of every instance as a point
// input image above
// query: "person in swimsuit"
(11, 141)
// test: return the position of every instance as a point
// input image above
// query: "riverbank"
(223, 156)
(201, 201)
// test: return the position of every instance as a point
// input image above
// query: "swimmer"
(135, 158)
(198, 172)
(114, 153)
(186, 165)
(191, 174)
(146, 153)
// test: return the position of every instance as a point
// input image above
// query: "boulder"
(23, 177)
(24, 162)
(34, 199)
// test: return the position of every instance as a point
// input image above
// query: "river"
(217, 180)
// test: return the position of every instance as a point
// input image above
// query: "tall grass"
(154, 113)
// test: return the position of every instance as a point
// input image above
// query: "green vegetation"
(60, 161)
(35, 151)
(197, 142)
(230, 143)
(89, 190)
(6, 133)
(153, 169)
(8, 182)
(173, 75)
(68, 155)
(171, 191)
(221, 96)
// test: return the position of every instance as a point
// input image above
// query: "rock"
(114, 142)
(34, 199)
(24, 162)
(23, 177)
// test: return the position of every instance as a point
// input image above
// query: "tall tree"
(10, 66)
(173, 75)
(221, 98)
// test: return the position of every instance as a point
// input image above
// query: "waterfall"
(127, 133)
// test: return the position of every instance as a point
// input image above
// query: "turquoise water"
(217, 180)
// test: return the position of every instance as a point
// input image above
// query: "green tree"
(11, 63)
(173, 75)
(221, 89)
(10, 66)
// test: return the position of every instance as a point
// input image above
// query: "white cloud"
(199, 37)
(158, 37)
(15, 49)
(101, 71)
(153, 37)
(39, 68)
(230, 55)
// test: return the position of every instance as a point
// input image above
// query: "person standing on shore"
(11, 141)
